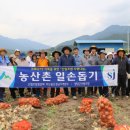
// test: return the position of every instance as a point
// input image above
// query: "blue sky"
(55, 21)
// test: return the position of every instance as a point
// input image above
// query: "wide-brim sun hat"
(86, 49)
(93, 47)
(53, 53)
(121, 49)
(66, 48)
(17, 50)
(2, 49)
(102, 52)
(109, 53)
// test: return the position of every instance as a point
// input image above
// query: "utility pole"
(128, 40)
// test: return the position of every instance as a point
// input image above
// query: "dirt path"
(66, 116)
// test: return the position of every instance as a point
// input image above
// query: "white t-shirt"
(32, 64)
(22, 63)
(28, 59)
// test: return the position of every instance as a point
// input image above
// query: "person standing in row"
(68, 60)
(43, 62)
(29, 56)
(86, 57)
(4, 61)
(122, 62)
(110, 57)
(22, 62)
(128, 77)
(79, 62)
(103, 91)
(13, 63)
(16, 54)
(92, 91)
(54, 62)
(33, 63)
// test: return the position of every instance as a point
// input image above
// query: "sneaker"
(33, 95)
(117, 98)
(127, 97)
(113, 95)
(74, 97)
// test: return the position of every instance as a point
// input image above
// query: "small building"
(107, 45)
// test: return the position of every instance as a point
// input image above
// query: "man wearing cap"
(128, 77)
(54, 62)
(68, 60)
(86, 53)
(103, 91)
(23, 63)
(92, 61)
(110, 57)
(122, 62)
(22, 60)
(93, 55)
(17, 54)
(43, 62)
(4, 61)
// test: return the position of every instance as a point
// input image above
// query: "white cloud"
(55, 21)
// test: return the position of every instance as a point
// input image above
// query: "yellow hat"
(93, 47)
(121, 49)
(2, 49)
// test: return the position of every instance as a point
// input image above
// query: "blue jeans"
(1, 94)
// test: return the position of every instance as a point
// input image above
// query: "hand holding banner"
(38, 77)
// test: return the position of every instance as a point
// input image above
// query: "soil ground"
(66, 116)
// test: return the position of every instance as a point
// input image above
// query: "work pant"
(73, 91)
(91, 91)
(128, 88)
(121, 85)
(2, 94)
(53, 92)
(113, 89)
(81, 90)
(21, 92)
(45, 92)
(103, 91)
(12, 92)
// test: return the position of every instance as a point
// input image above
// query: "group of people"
(68, 57)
